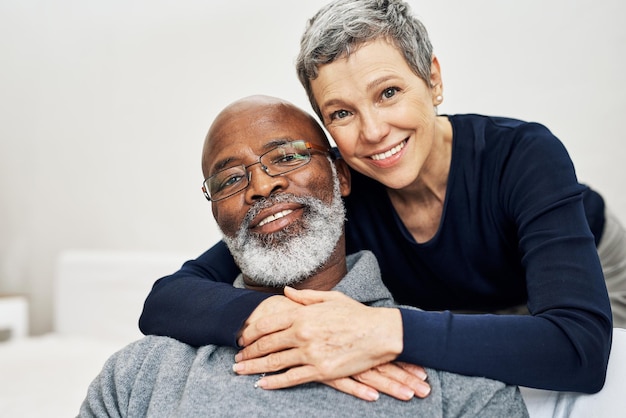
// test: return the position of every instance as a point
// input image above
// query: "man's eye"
(230, 181)
(339, 114)
(292, 158)
(389, 92)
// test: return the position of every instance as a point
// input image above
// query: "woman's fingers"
(354, 388)
(264, 328)
(396, 381)
(309, 297)
(292, 377)
(390, 379)
(270, 363)
(327, 340)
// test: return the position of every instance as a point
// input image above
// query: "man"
(276, 195)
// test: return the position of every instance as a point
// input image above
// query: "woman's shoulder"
(477, 122)
(501, 135)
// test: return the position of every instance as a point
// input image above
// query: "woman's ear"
(343, 173)
(436, 82)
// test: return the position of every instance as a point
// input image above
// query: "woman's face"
(381, 115)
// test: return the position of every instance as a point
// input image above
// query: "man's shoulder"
(152, 349)
(363, 282)
(156, 342)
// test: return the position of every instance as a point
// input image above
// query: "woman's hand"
(331, 337)
(399, 380)
(274, 305)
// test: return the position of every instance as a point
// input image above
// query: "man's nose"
(263, 185)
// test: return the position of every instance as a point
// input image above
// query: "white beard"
(295, 252)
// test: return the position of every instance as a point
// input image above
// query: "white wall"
(104, 106)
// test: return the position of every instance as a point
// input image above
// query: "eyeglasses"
(279, 160)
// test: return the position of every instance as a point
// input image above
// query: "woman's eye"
(339, 114)
(389, 92)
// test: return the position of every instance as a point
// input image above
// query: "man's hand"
(331, 337)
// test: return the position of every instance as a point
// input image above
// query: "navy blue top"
(517, 228)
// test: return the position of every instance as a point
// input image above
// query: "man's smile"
(276, 217)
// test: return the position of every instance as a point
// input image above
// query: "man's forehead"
(260, 117)
(250, 127)
(237, 152)
(257, 133)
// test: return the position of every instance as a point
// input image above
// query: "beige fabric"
(612, 252)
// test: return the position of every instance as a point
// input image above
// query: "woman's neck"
(420, 205)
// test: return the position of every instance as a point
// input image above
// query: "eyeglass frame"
(308, 146)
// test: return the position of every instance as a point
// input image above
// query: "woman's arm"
(539, 205)
(198, 304)
(565, 341)
(531, 351)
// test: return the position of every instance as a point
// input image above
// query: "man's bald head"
(254, 114)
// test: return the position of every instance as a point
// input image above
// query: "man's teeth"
(275, 216)
(389, 153)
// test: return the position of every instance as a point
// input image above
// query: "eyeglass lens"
(280, 160)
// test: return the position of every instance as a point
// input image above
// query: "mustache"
(268, 202)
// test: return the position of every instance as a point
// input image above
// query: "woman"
(465, 213)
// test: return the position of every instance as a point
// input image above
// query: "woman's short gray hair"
(340, 27)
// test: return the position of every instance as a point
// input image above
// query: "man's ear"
(343, 173)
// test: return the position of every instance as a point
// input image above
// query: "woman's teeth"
(275, 216)
(389, 153)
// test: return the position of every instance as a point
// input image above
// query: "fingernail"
(238, 357)
(407, 394)
(237, 367)
(422, 375)
(260, 384)
(372, 395)
(424, 390)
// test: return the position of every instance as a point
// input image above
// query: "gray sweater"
(162, 377)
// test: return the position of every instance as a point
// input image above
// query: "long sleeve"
(514, 232)
(524, 350)
(198, 304)
(564, 343)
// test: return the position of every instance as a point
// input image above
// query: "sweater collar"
(363, 282)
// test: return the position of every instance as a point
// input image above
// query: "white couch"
(98, 296)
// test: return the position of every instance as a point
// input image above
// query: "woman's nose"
(373, 127)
